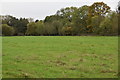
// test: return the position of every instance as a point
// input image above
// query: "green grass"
(60, 57)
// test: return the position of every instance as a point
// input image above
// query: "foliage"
(94, 19)
(7, 30)
(31, 29)
(98, 8)
(109, 25)
(95, 23)
(40, 30)
(20, 25)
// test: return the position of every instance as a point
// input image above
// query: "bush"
(7, 30)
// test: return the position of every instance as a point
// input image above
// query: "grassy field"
(60, 57)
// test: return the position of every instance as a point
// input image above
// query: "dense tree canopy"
(96, 19)
(20, 25)
(7, 30)
(99, 8)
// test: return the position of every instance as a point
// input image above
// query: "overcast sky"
(38, 9)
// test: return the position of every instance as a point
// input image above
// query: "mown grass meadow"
(60, 57)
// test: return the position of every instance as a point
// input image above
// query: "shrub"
(7, 30)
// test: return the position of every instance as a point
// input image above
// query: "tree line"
(96, 19)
